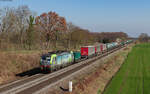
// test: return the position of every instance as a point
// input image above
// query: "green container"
(122, 43)
(77, 56)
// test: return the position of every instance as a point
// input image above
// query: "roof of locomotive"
(54, 52)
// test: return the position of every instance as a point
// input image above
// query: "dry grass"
(12, 63)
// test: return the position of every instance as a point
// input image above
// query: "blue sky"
(130, 16)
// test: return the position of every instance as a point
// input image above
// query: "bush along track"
(133, 77)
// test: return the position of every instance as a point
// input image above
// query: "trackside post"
(70, 86)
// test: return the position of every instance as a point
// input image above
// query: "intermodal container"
(77, 56)
(87, 51)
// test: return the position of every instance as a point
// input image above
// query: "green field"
(134, 75)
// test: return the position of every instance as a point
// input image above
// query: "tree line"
(144, 37)
(21, 29)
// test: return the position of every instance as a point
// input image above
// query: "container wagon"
(109, 46)
(97, 49)
(87, 51)
(77, 56)
(122, 43)
(115, 44)
(104, 48)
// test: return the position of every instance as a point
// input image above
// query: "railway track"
(38, 82)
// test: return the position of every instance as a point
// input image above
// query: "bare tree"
(70, 27)
(8, 23)
(144, 37)
(78, 36)
(110, 36)
(22, 14)
(13, 24)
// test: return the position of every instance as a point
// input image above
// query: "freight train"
(59, 59)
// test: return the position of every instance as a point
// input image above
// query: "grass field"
(134, 75)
